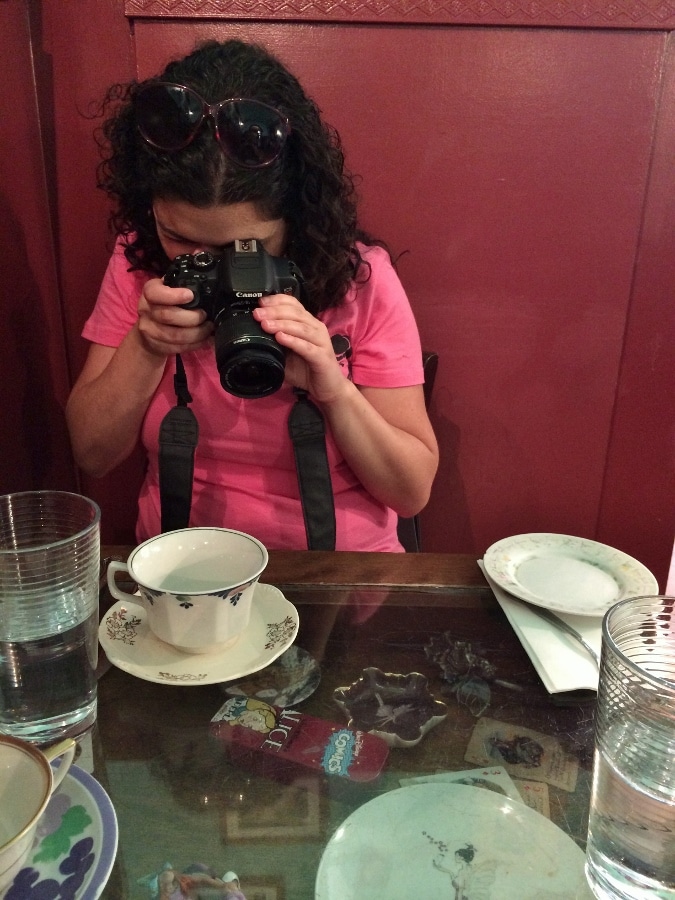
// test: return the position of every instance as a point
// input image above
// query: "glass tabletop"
(185, 796)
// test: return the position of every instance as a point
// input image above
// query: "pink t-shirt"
(244, 474)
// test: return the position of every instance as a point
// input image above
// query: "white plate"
(130, 645)
(404, 844)
(76, 843)
(566, 574)
(292, 678)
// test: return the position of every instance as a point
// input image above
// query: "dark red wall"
(34, 382)
(524, 174)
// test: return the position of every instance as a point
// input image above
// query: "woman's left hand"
(311, 364)
(384, 434)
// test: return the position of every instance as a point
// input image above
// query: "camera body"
(228, 287)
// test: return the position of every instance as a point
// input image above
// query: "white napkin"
(562, 664)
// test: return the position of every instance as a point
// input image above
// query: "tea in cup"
(196, 585)
(27, 782)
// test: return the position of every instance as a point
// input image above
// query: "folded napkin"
(562, 664)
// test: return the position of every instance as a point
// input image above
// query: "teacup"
(196, 585)
(27, 781)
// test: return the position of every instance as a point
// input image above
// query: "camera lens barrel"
(249, 361)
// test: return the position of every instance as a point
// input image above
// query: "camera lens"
(249, 361)
(252, 373)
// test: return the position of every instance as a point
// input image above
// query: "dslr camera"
(227, 287)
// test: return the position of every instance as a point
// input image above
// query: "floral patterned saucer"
(130, 645)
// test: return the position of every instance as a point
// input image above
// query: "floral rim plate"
(432, 840)
(76, 843)
(566, 574)
(130, 645)
(289, 680)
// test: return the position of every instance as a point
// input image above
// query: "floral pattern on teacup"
(149, 594)
(236, 597)
(186, 600)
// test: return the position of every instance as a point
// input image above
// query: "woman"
(190, 170)
(461, 875)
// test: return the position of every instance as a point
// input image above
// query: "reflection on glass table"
(186, 796)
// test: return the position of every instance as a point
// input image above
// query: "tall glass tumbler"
(631, 836)
(49, 574)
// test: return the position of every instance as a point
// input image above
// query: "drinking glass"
(49, 574)
(631, 837)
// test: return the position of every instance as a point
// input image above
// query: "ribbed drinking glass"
(49, 574)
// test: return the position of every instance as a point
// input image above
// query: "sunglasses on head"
(251, 133)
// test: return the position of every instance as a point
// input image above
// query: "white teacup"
(27, 781)
(196, 585)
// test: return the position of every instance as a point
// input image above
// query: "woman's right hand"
(164, 326)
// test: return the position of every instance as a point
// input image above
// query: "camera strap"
(308, 433)
(178, 437)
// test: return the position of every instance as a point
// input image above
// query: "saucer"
(566, 574)
(426, 839)
(291, 679)
(76, 843)
(131, 646)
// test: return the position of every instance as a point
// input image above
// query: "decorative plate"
(448, 840)
(566, 574)
(75, 846)
(289, 680)
(398, 708)
(130, 645)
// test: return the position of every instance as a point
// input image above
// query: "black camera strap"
(308, 433)
(178, 436)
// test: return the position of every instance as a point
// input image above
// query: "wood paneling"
(91, 45)
(34, 381)
(639, 490)
(512, 169)
(646, 14)
(524, 177)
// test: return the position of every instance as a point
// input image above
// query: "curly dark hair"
(308, 186)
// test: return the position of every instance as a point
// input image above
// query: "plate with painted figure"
(450, 840)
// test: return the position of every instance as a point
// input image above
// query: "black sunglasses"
(251, 133)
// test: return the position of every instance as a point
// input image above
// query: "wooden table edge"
(322, 568)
